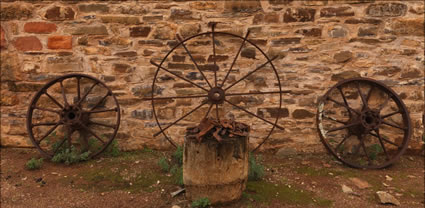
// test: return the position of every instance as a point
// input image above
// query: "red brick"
(39, 27)
(3, 42)
(29, 43)
(59, 42)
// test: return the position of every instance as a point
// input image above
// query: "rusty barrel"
(215, 165)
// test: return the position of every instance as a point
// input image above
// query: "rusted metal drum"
(215, 169)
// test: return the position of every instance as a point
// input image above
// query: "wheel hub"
(370, 119)
(216, 95)
(71, 115)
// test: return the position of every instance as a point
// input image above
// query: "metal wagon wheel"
(74, 111)
(217, 80)
(363, 123)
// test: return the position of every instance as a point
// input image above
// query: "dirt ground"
(134, 179)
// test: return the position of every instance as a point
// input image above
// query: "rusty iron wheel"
(363, 123)
(215, 86)
(75, 110)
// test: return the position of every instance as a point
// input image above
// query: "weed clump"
(256, 169)
(202, 202)
(70, 156)
(34, 164)
(175, 167)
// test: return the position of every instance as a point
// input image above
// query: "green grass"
(34, 164)
(201, 203)
(266, 193)
(256, 169)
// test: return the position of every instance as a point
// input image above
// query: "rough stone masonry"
(318, 43)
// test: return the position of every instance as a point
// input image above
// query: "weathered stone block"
(59, 42)
(164, 32)
(59, 13)
(126, 54)
(272, 17)
(140, 31)
(386, 10)
(299, 15)
(29, 43)
(180, 66)
(302, 114)
(60, 64)
(367, 31)
(336, 12)
(344, 75)
(338, 32)
(40, 27)
(273, 112)
(87, 8)
(286, 41)
(16, 12)
(157, 43)
(188, 30)
(91, 30)
(343, 56)
(248, 52)
(310, 32)
(121, 68)
(412, 26)
(242, 6)
(203, 5)
(121, 20)
(182, 14)
(145, 114)
(363, 21)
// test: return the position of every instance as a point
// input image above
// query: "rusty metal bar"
(175, 97)
(193, 60)
(54, 100)
(258, 68)
(161, 67)
(234, 60)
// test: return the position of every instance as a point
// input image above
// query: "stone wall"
(317, 42)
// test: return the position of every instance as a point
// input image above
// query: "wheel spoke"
(344, 105)
(334, 119)
(258, 93)
(92, 133)
(60, 145)
(176, 97)
(184, 116)
(54, 100)
(343, 127)
(386, 140)
(369, 93)
(258, 68)
(102, 111)
(193, 60)
(213, 45)
(364, 101)
(101, 124)
(345, 101)
(44, 124)
(63, 94)
(390, 114)
(208, 111)
(382, 144)
(157, 65)
(393, 125)
(45, 109)
(234, 60)
(49, 132)
(87, 93)
(365, 151)
(100, 101)
(216, 112)
(385, 103)
(343, 140)
(252, 114)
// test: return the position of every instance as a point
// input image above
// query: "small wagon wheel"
(74, 111)
(363, 123)
(220, 86)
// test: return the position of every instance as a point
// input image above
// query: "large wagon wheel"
(199, 70)
(74, 111)
(363, 123)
